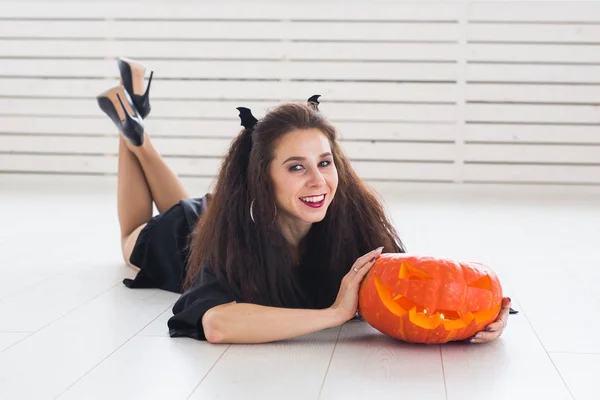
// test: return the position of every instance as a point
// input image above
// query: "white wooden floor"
(69, 329)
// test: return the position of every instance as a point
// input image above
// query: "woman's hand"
(495, 329)
(346, 303)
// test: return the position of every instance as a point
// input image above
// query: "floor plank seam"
(91, 369)
(51, 322)
(24, 288)
(337, 339)
(150, 323)
(443, 372)
(208, 372)
(524, 314)
(110, 354)
(76, 308)
(16, 343)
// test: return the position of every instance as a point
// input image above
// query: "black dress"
(161, 252)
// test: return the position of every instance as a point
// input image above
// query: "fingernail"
(473, 340)
(479, 335)
(509, 300)
(372, 259)
(379, 248)
(488, 329)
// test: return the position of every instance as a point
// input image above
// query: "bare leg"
(165, 186)
(134, 202)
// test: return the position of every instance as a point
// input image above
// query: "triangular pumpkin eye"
(482, 283)
(408, 272)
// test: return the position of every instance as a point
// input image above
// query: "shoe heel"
(116, 103)
(130, 70)
(132, 125)
(144, 100)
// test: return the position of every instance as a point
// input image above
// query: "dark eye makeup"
(293, 167)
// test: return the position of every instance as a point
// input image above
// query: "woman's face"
(304, 176)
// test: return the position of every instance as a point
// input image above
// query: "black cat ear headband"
(249, 121)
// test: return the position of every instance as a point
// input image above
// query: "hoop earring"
(252, 213)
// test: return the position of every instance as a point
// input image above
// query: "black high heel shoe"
(118, 105)
(131, 71)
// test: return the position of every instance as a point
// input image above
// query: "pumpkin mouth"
(429, 319)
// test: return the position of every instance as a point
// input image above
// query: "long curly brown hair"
(254, 259)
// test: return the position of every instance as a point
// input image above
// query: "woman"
(282, 244)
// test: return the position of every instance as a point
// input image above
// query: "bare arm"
(251, 323)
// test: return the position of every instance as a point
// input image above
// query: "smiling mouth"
(314, 201)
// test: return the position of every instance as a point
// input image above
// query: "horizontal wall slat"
(237, 50)
(219, 30)
(399, 151)
(307, 10)
(369, 170)
(258, 50)
(560, 53)
(201, 147)
(397, 131)
(102, 125)
(190, 128)
(227, 109)
(375, 170)
(534, 153)
(97, 164)
(513, 133)
(551, 11)
(532, 113)
(223, 90)
(266, 70)
(532, 73)
(548, 174)
(532, 93)
(532, 32)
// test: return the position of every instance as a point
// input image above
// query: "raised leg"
(134, 202)
(164, 185)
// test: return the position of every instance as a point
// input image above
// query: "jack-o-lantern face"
(429, 299)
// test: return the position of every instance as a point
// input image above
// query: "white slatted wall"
(420, 91)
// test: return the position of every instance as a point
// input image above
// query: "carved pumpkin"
(429, 299)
